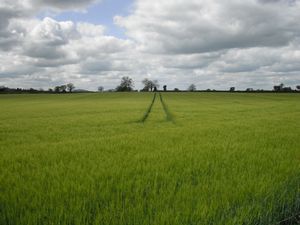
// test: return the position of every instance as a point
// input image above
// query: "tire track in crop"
(293, 220)
(148, 111)
(169, 115)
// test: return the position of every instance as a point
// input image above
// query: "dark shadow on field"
(148, 111)
(169, 115)
(293, 220)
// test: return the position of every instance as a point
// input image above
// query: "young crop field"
(149, 159)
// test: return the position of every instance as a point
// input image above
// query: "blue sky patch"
(100, 13)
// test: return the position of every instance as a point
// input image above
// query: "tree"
(165, 87)
(150, 85)
(287, 89)
(70, 87)
(279, 87)
(232, 89)
(63, 88)
(127, 84)
(57, 89)
(276, 88)
(192, 87)
(298, 87)
(100, 88)
(3, 89)
(32, 90)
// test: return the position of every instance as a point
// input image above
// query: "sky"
(101, 13)
(214, 44)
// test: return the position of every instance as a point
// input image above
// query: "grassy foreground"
(213, 158)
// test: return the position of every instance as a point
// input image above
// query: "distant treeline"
(7, 90)
(127, 85)
(66, 88)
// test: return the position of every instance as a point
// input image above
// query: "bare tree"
(57, 89)
(279, 87)
(70, 87)
(63, 88)
(192, 87)
(146, 84)
(127, 84)
(150, 85)
(100, 88)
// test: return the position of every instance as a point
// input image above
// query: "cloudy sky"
(214, 44)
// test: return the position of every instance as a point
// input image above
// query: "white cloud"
(62, 5)
(212, 43)
(187, 27)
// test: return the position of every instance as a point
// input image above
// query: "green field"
(213, 158)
